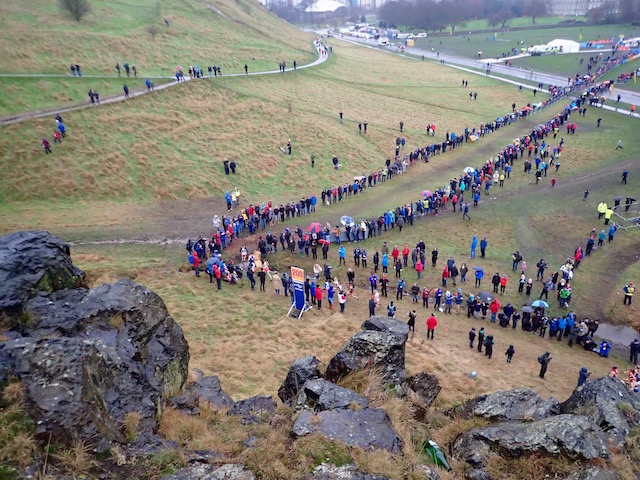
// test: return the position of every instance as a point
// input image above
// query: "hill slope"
(229, 33)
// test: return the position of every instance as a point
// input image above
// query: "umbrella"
(485, 296)
(315, 227)
(539, 303)
(211, 261)
(527, 309)
(469, 170)
(480, 269)
(617, 199)
(346, 220)
(501, 119)
(323, 241)
(427, 193)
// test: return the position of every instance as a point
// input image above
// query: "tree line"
(431, 15)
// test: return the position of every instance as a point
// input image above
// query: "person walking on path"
(509, 353)
(126, 91)
(431, 325)
(544, 360)
(246, 69)
(619, 145)
(629, 290)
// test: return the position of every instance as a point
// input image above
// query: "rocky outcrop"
(30, 262)
(90, 357)
(251, 408)
(370, 348)
(572, 435)
(206, 389)
(517, 404)
(387, 324)
(594, 473)
(426, 473)
(422, 389)
(211, 472)
(302, 369)
(345, 472)
(609, 403)
(320, 395)
(369, 428)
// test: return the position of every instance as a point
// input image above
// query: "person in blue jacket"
(227, 197)
(604, 348)
(479, 275)
(562, 324)
(342, 254)
(474, 243)
(483, 246)
(385, 263)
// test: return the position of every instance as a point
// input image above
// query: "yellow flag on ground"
(580, 37)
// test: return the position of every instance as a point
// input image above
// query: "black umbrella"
(527, 309)
(485, 296)
(617, 199)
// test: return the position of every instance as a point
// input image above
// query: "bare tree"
(76, 8)
(153, 30)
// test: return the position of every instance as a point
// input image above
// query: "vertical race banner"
(297, 275)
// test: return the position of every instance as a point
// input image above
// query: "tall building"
(578, 7)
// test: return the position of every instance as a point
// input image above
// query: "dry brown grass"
(130, 425)
(77, 458)
(17, 443)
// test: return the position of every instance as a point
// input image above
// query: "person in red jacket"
(419, 268)
(395, 253)
(405, 254)
(431, 325)
(196, 263)
(503, 284)
(445, 275)
(218, 274)
(319, 296)
(495, 308)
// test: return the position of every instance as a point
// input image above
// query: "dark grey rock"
(345, 472)
(609, 403)
(422, 389)
(211, 472)
(320, 395)
(574, 436)
(427, 472)
(250, 408)
(206, 389)
(93, 356)
(301, 370)
(370, 348)
(389, 325)
(147, 444)
(594, 473)
(33, 261)
(250, 442)
(517, 404)
(369, 428)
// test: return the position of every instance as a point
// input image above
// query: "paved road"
(21, 117)
(627, 96)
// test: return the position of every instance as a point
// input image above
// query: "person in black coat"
(544, 360)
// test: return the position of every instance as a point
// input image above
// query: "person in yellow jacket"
(236, 192)
(628, 293)
(502, 179)
(607, 216)
(602, 208)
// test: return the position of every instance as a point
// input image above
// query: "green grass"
(27, 94)
(42, 39)
(468, 45)
(483, 24)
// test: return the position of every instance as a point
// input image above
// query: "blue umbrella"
(539, 303)
(346, 220)
(501, 119)
(478, 269)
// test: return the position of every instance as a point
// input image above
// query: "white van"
(383, 41)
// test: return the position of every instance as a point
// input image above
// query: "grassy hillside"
(38, 37)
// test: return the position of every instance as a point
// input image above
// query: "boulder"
(203, 471)
(250, 408)
(301, 370)
(422, 389)
(370, 348)
(93, 356)
(426, 473)
(33, 261)
(369, 428)
(389, 325)
(609, 403)
(345, 472)
(517, 404)
(205, 389)
(571, 435)
(594, 473)
(320, 395)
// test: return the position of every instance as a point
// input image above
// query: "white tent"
(565, 46)
(321, 6)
